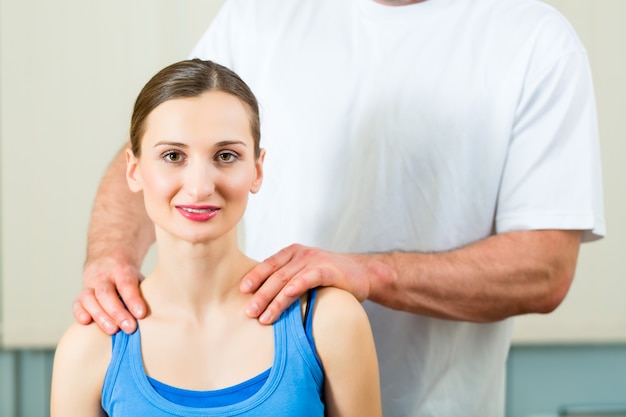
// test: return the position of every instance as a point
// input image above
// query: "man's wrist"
(115, 256)
(382, 274)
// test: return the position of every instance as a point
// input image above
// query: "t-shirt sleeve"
(552, 177)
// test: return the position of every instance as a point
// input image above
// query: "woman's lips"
(198, 213)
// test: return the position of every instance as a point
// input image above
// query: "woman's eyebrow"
(170, 143)
(231, 142)
(227, 142)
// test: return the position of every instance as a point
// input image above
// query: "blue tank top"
(293, 386)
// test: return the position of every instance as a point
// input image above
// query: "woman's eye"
(226, 157)
(172, 156)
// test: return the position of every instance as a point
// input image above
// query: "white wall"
(69, 73)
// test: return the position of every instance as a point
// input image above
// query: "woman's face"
(197, 166)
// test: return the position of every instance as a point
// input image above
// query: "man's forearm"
(498, 277)
(119, 224)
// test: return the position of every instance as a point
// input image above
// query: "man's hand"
(105, 280)
(284, 277)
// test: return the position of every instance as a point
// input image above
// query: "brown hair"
(191, 78)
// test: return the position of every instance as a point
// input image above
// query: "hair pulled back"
(191, 78)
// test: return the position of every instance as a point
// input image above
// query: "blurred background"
(69, 73)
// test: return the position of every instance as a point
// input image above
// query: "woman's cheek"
(160, 183)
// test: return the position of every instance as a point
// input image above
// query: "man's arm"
(120, 234)
(501, 276)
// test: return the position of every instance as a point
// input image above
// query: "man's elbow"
(556, 290)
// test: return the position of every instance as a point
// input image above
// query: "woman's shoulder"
(80, 363)
(345, 345)
(337, 314)
(337, 304)
(84, 344)
(90, 335)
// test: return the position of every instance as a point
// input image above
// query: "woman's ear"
(133, 175)
(258, 179)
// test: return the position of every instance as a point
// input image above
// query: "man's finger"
(80, 314)
(298, 284)
(271, 287)
(131, 296)
(265, 294)
(290, 293)
(257, 276)
(276, 308)
(109, 300)
(92, 307)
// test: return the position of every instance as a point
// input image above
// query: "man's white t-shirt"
(416, 128)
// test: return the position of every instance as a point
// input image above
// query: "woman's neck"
(197, 276)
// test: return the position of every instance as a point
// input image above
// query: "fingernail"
(265, 317)
(246, 285)
(108, 326)
(126, 326)
(137, 311)
(252, 310)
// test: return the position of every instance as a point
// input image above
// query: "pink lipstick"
(198, 213)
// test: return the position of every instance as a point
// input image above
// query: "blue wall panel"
(544, 379)
(25, 383)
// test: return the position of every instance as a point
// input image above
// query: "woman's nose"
(200, 180)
